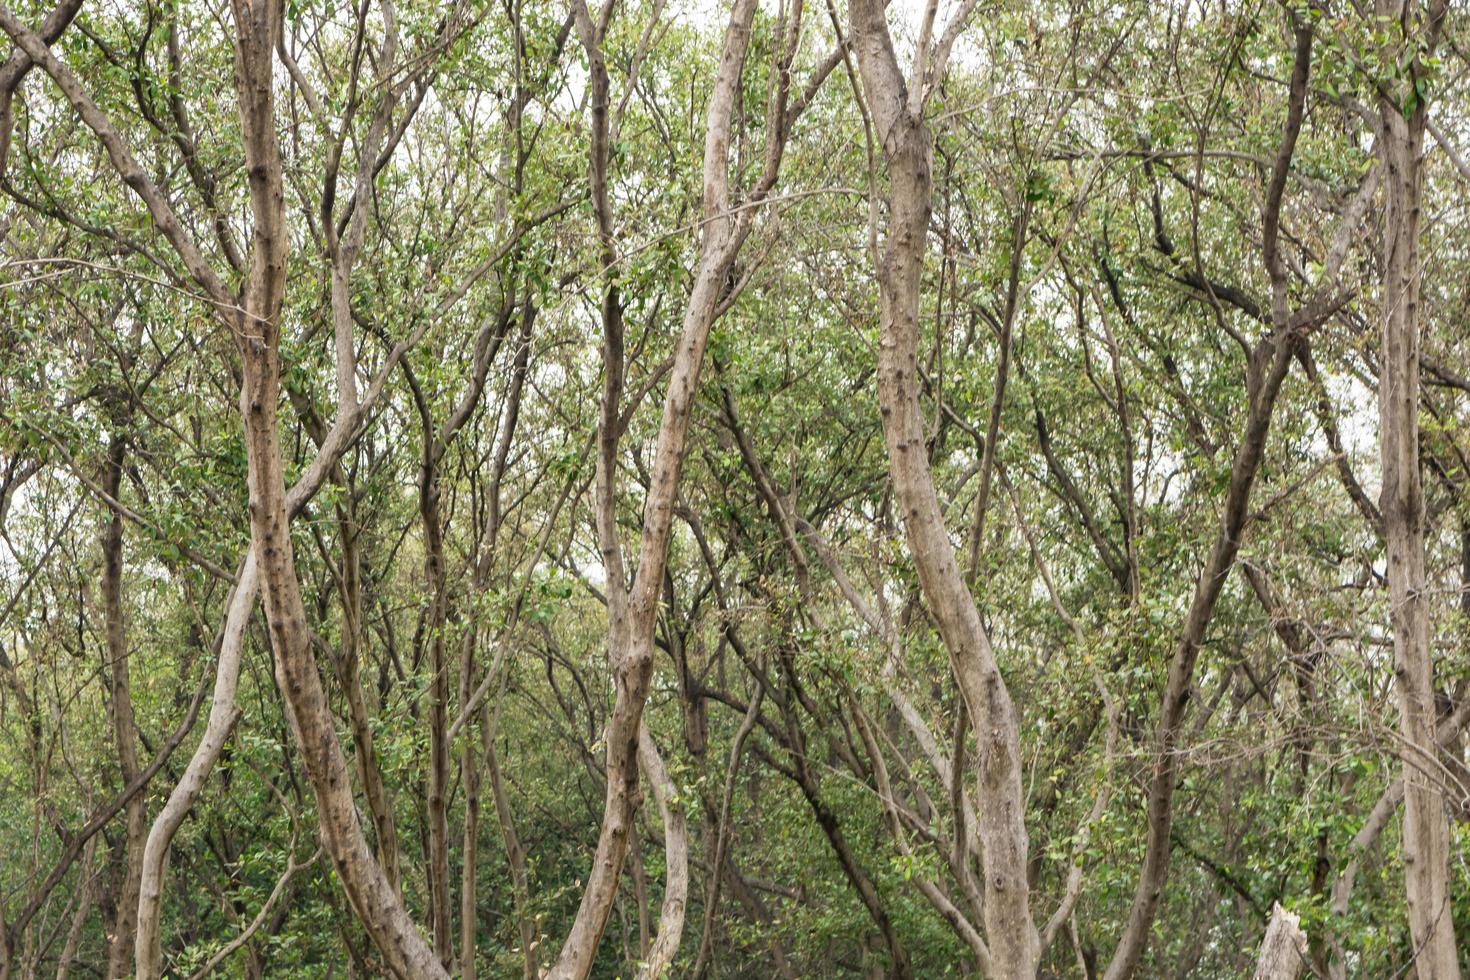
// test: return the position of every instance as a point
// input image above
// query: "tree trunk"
(1284, 948)
(660, 955)
(632, 611)
(1009, 929)
(1266, 370)
(257, 325)
(515, 853)
(469, 777)
(349, 675)
(87, 879)
(223, 714)
(372, 895)
(1426, 831)
(437, 805)
(120, 951)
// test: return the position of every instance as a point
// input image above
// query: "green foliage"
(1100, 173)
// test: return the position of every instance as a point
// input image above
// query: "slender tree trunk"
(87, 879)
(470, 774)
(719, 828)
(258, 330)
(120, 951)
(223, 714)
(1426, 830)
(359, 718)
(1009, 929)
(437, 804)
(469, 777)
(632, 610)
(515, 853)
(658, 957)
(1266, 370)
(371, 893)
(756, 911)
(831, 825)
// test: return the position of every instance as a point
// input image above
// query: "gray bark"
(1426, 831)
(1284, 948)
(896, 108)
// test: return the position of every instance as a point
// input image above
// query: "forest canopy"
(734, 489)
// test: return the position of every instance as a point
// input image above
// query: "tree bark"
(1426, 830)
(515, 852)
(87, 878)
(348, 667)
(1010, 931)
(1268, 364)
(632, 609)
(676, 851)
(470, 776)
(223, 714)
(257, 323)
(437, 804)
(120, 949)
(1284, 948)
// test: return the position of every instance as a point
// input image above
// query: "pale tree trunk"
(1447, 731)
(896, 107)
(223, 715)
(632, 609)
(1426, 830)
(371, 893)
(660, 954)
(791, 523)
(1284, 948)
(255, 318)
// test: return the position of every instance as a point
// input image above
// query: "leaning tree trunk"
(1010, 931)
(258, 331)
(633, 609)
(223, 715)
(254, 317)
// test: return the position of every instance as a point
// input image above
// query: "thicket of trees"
(764, 489)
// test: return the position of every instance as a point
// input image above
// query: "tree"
(801, 491)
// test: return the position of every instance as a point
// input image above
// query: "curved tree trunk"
(676, 850)
(258, 331)
(1010, 931)
(223, 714)
(1267, 367)
(632, 610)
